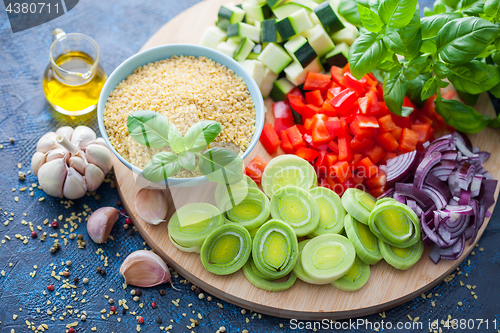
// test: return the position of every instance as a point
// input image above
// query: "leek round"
(275, 249)
(255, 278)
(355, 278)
(226, 249)
(328, 257)
(364, 241)
(331, 211)
(191, 224)
(299, 269)
(252, 210)
(222, 190)
(358, 204)
(401, 258)
(288, 170)
(297, 207)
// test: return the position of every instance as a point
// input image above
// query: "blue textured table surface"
(121, 28)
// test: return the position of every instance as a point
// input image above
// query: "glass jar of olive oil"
(74, 78)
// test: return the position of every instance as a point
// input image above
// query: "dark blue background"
(121, 28)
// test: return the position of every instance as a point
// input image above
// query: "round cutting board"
(386, 288)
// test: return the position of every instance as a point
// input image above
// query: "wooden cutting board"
(386, 288)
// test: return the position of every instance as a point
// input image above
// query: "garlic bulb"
(71, 162)
(151, 205)
(144, 269)
(101, 222)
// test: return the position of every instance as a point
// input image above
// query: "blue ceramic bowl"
(168, 51)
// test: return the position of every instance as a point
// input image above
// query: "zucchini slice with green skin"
(319, 40)
(268, 32)
(226, 249)
(275, 57)
(395, 223)
(212, 37)
(299, 269)
(300, 21)
(300, 50)
(221, 190)
(331, 211)
(267, 82)
(288, 170)
(328, 257)
(364, 241)
(244, 30)
(192, 224)
(244, 49)
(328, 18)
(285, 28)
(296, 74)
(250, 272)
(275, 249)
(251, 211)
(288, 9)
(358, 204)
(297, 207)
(338, 56)
(401, 258)
(281, 88)
(355, 278)
(229, 14)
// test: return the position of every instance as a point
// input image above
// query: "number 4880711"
(31, 8)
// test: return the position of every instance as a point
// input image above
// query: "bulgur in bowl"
(186, 83)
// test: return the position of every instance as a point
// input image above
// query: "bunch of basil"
(219, 165)
(458, 40)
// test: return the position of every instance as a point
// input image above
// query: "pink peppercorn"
(123, 211)
(140, 320)
(128, 221)
(50, 287)
(54, 224)
(34, 234)
(71, 330)
(113, 308)
(153, 305)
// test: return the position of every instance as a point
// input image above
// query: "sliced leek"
(331, 211)
(395, 223)
(328, 257)
(221, 190)
(401, 258)
(299, 269)
(358, 204)
(355, 278)
(364, 241)
(288, 170)
(275, 249)
(252, 210)
(297, 207)
(226, 249)
(253, 232)
(255, 278)
(191, 224)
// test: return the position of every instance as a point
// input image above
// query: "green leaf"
(464, 4)
(496, 91)
(161, 166)
(442, 84)
(441, 70)
(411, 36)
(496, 58)
(187, 160)
(397, 13)
(429, 89)
(432, 24)
(373, 4)
(201, 134)
(176, 140)
(149, 128)
(474, 77)
(221, 165)
(370, 20)
(348, 10)
(491, 7)
(429, 46)
(415, 87)
(439, 7)
(475, 10)
(395, 88)
(410, 73)
(365, 54)
(462, 117)
(428, 12)
(451, 3)
(460, 40)
(393, 41)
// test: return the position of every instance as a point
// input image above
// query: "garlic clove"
(144, 269)
(74, 186)
(101, 222)
(78, 163)
(100, 156)
(65, 131)
(37, 161)
(82, 135)
(57, 153)
(98, 141)
(47, 142)
(93, 177)
(151, 205)
(51, 177)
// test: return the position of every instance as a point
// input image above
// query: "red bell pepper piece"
(336, 73)
(423, 131)
(375, 153)
(345, 151)
(327, 109)
(332, 92)
(295, 92)
(335, 128)
(301, 129)
(350, 82)
(366, 168)
(322, 160)
(408, 103)
(344, 102)
(386, 123)
(408, 141)
(255, 169)
(307, 153)
(378, 180)
(360, 132)
(342, 170)
(369, 104)
(369, 80)
(396, 132)
(333, 146)
(308, 123)
(295, 137)
(315, 98)
(310, 110)
(401, 121)
(316, 81)
(378, 191)
(346, 69)
(283, 117)
(286, 145)
(388, 156)
(361, 144)
(269, 139)
(380, 92)
(383, 110)
(367, 121)
(320, 133)
(296, 103)
(387, 141)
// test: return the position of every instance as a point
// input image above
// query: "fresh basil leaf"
(349, 11)
(415, 87)
(491, 7)
(460, 40)
(496, 58)
(439, 7)
(428, 12)
(397, 13)
(474, 77)
(161, 166)
(464, 4)
(411, 36)
(429, 89)
(496, 91)
(441, 70)
(387, 66)
(451, 3)
(462, 117)
(410, 73)
(201, 134)
(432, 24)
(442, 83)
(475, 10)
(422, 64)
(365, 54)
(395, 88)
(429, 46)
(393, 41)
(221, 165)
(187, 160)
(149, 128)
(495, 123)
(373, 5)
(176, 140)
(370, 20)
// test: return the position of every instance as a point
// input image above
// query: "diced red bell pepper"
(327, 109)
(346, 69)
(349, 183)
(408, 103)
(335, 127)
(332, 92)
(296, 103)
(350, 82)
(316, 81)
(283, 117)
(367, 121)
(378, 180)
(336, 73)
(360, 132)
(342, 170)
(322, 160)
(281, 124)
(369, 80)
(423, 118)
(307, 153)
(345, 151)
(388, 156)
(308, 123)
(423, 131)
(310, 110)
(396, 132)
(357, 179)
(380, 92)
(295, 92)
(378, 191)
(325, 183)
(386, 123)
(355, 160)
(366, 168)
(255, 169)
(295, 137)
(311, 144)
(383, 110)
(301, 129)
(375, 153)
(361, 144)
(387, 141)
(269, 139)
(320, 133)
(333, 146)
(331, 159)
(286, 145)
(315, 98)
(369, 104)
(343, 102)
(408, 141)
(401, 121)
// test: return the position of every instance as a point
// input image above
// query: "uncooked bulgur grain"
(186, 90)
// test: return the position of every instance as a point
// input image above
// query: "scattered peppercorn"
(128, 220)
(79, 237)
(50, 287)
(54, 224)
(66, 273)
(124, 311)
(197, 290)
(209, 298)
(71, 330)
(111, 301)
(131, 232)
(53, 250)
(125, 226)
(99, 269)
(85, 280)
(118, 203)
(34, 234)
(83, 318)
(159, 321)
(123, 211)
(140, 320)
(112, 308)
(76, 279)
(12, 140)
(153, 305)
(162, 292)
(138, 292)
(69, 263)
(102, 272)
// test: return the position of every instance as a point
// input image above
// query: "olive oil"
(76, 96)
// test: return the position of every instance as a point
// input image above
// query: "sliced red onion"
(443, 169)
(486, 195)
(475, 225)
(463, 143)
(426, 144)
(460, 210)
(435, 254)
(464, 197)
(436, 196)
(387, 194)
(466, 172)
(439, 185)
(483, 156)
(475, 185)
(451, 155)
(424, 167)
(411, 191)
(454, 252)
(413, 205)
(400, 167)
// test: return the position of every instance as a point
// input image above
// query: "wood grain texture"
(386, 288)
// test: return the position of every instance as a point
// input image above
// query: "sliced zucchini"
(244, 30)
(285, 28)
(328, 18)
(275, 57)
(229, 14)
(288, 9)
(228, 48)
(256, 13)
(246, 46)
(296, 74)
(275, 3)
(300, 21)
(319, 40)
(255, 68)
(300, 50)
(267, 82)
(281, 87)
(338, 56)
(268, 32)
(256, 2)
(347, 35)
(212, 36)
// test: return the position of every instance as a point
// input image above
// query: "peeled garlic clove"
(78, 163)
(93, 177)
(151, 205)
(144, 269)
(101, 222)
(65, 131)
(51, 177)
(57, 153)
(100, 156)
(37, 161)
(74, 186)
(47, 142)
(82, 135)
(98, 141)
